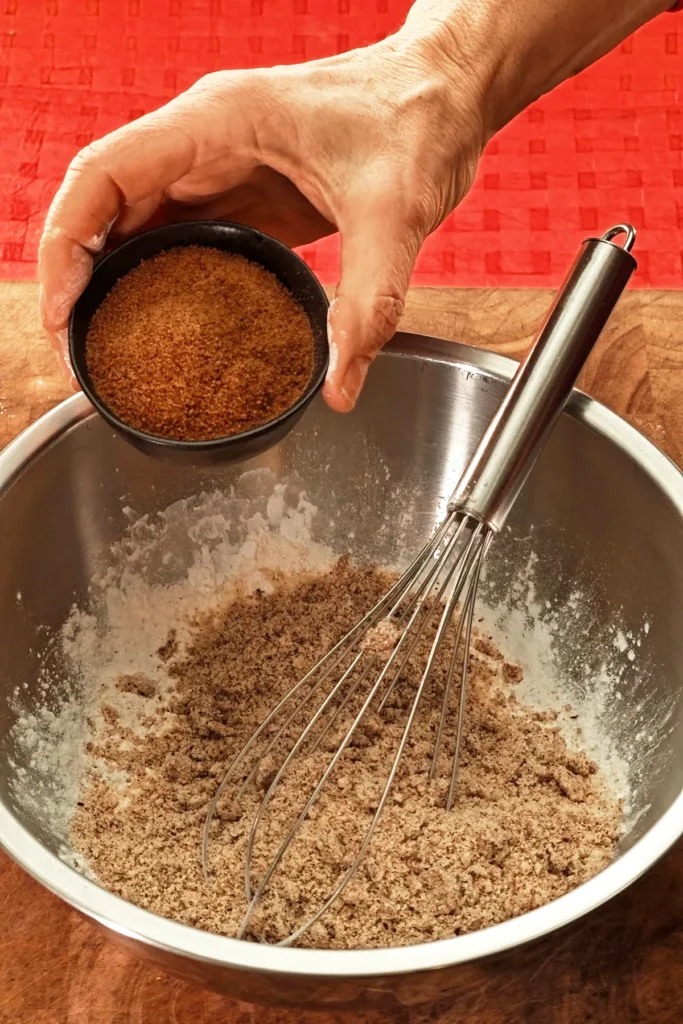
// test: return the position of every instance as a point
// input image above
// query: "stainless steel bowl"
(603, 511)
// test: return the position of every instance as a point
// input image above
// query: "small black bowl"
(233, 238)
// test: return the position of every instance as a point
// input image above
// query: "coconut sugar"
(197, 343)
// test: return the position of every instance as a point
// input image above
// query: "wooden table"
(625, 967)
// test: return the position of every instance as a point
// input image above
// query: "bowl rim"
(179, 229)
(143, 926)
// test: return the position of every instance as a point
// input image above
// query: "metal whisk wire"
(472, 550)
(341, 650)
(446, 573)
(443, 568)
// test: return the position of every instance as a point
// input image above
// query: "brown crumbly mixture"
(531, 820)
(196, 344)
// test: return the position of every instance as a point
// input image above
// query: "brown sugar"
(196, 344)
(532, 818)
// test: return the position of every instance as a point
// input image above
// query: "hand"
(379, 144)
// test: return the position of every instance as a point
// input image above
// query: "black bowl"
(234, 238)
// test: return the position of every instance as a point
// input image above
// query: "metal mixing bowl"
(603, 512)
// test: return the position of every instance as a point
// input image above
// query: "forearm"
(520, 49)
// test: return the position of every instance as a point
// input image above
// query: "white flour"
(201, 551)
(597, 712)
(198, 553)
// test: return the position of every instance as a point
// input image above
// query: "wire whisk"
(435, 595)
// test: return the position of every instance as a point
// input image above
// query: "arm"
(521, 49)
(380, 144)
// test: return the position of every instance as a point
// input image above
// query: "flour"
(203, 551)
(165, 570)
(586, 667)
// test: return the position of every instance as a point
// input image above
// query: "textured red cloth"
(606, 147)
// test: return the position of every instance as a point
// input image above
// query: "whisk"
(367, 664)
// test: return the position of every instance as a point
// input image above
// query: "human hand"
(379, 144)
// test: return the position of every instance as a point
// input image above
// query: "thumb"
(377, 259)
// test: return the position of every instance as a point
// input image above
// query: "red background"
(605, 147)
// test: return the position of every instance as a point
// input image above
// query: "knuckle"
(429, 203)
(419, 215)
(402, 196)
(212, 80)
(384, 315)
(224, 94)
(219, 84)
(49, 236)
(88, 157)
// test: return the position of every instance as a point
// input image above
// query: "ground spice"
(532, 818)
(196, 344)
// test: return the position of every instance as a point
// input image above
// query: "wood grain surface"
(624, 967)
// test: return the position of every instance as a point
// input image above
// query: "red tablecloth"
(605, 147)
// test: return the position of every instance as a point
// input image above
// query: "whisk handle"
(541, 386)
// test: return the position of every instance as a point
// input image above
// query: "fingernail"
(354, 379)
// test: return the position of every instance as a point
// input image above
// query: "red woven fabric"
(605, 147)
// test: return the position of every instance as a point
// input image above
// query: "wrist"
(437, 86)
(513, 51)
(444, 38)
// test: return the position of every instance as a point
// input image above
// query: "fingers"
(122, 171)
(378, 252)
(270, 202)
(134, 218)
(124, 177)
(60, 342)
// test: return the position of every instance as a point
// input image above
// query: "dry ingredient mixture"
(196, 344)
(532, 820)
